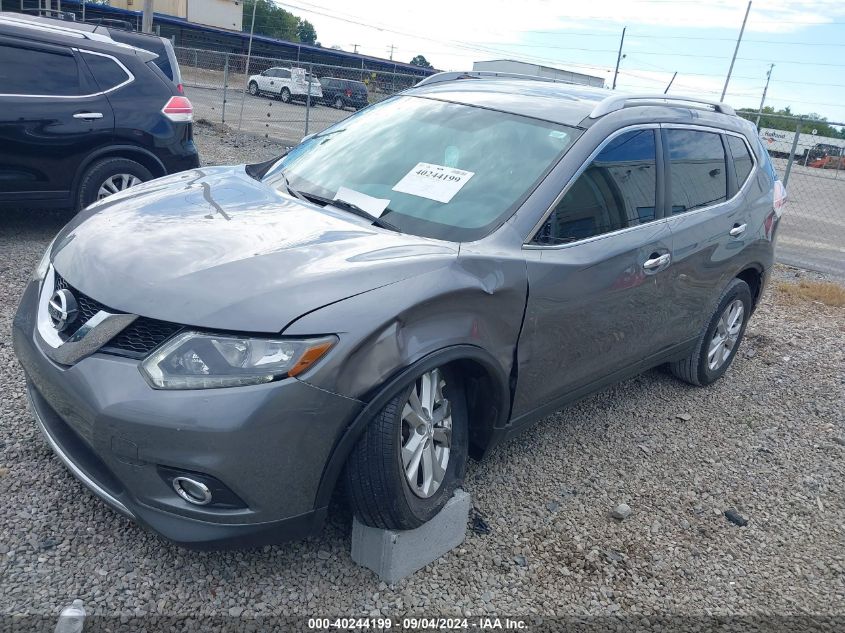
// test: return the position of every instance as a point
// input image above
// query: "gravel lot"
(768, 440)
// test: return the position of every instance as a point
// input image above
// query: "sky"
(805, 40)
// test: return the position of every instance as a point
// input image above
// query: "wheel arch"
(753, 276)
(488, 405)
(131, 152)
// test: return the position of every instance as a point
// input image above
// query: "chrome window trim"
(129, 76)
(715, 130)
(754, 161)
(527, 245)
(537, 226)
(129, 80)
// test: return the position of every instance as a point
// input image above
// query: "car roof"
(74, 34)
(562, 102)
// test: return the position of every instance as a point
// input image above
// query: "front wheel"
(253, 88)
(412, 456)
(718, 343)
(338, 103)
(285, 95)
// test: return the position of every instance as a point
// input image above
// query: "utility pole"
(391, 52)
(83, 10)
(248, 55)
(763, 99)
(618, 58)
(736, 50)
(355, 46)
(670, 82)
(147, 21)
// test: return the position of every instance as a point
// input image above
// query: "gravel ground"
(768, 441)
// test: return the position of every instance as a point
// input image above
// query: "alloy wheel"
(426, 434)
(116, 183)
(338, 103)
(726, 334)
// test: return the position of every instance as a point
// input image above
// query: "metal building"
(525, 68)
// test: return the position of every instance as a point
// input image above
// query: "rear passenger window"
(27, 71)
(106, 71)
(742, 159)
(616, 191)
(696, 169)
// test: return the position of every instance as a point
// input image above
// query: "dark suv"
(344, 93)
(83, 116)
(510, 247)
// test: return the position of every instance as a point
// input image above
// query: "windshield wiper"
(291, 190)
(349, 207)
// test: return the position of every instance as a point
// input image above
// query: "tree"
(811, 121)
(273, 21)
(306, 32)
(421, 61)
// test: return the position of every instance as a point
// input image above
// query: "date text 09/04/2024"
(416, 624)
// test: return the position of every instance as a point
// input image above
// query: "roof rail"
(58, 29)
(617, 102)
(438, 78)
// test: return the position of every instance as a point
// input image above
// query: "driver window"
(617, 190)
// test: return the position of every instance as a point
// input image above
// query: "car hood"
(214, 248)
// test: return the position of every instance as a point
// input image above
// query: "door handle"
(738, 230)
(656, 262)
(88, 115)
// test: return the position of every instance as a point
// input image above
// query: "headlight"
(44, 265)
(204, 361)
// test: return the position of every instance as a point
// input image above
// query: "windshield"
(445, 170)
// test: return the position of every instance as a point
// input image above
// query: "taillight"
(178, 109)
(779, 197)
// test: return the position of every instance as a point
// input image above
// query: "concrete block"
(396, 554)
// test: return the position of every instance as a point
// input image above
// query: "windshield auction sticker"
(434, 182)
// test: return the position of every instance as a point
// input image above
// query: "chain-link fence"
(809, 157)
(280, 98)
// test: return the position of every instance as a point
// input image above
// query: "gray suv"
(212, 353)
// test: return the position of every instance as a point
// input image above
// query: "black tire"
(284, 95)
(376, 486)
(253, 88)
(695, 369)
(338, 103)
(103, 169)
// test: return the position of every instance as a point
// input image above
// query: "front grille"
(142, 336)
(137, 340)
(87, 306)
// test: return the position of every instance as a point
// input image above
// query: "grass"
(828, 293)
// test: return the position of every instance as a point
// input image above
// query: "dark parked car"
(83, 116)
(211, 352)
(344, 93)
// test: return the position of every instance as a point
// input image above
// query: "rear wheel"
(338, 103)
(412, 456)
(718, 343)
(109, 176)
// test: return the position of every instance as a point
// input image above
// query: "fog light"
(192, 491)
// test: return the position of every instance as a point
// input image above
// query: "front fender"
(474, 302)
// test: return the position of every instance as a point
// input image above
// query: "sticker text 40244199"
(435, 182)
